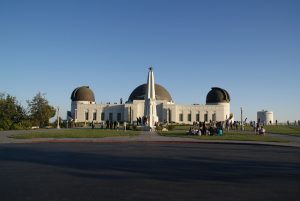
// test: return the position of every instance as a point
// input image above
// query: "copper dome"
(83, 93)
(160, 92)
(217, 95)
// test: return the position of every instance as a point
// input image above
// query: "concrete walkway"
(145, 136)
(292, 139)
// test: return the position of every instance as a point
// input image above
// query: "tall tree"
(12, 114)
(40, 110)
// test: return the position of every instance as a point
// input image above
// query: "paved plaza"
(148, 170)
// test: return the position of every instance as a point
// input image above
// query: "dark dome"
(160, 92)
(217, 95)
(83, 93)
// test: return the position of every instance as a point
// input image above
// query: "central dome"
(160, 93)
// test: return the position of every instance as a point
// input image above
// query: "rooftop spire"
(150, 93)
(150, 100)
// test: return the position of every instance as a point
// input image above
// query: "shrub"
(137, 128)
(128, 127)
(159, 128)
(170, 127)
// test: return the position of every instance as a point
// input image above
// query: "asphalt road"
(148, 171)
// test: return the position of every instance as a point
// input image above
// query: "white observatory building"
(143, 99)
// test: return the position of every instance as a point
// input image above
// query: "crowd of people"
(108, 124)
(232, 125)
(198, 128)
(211, 128)
(206, 129)
(141, 121)
(258, 128)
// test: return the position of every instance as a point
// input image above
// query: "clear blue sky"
(251, 48)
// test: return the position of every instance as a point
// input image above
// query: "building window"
(214, 117)
(102, 116)
(119, 117)
(206, 116)
(198, 117)
(75, 114)
(110, 116)
(130, 114)
(170, 115)
(86, 115)
(189, 117)
(95, 115)
(180, 117)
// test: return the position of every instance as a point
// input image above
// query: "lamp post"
(168, 116)
(242, 124)
(58, 127)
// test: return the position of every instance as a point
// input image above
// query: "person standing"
(125, 124)
(93, 124)
(110, 124)
(107, 124)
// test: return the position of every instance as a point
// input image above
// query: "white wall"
(137, 110)
(265, 117)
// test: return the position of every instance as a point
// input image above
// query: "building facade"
(85, 109)
(265, 117)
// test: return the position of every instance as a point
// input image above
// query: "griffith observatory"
(152, 102)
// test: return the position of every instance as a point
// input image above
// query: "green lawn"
(75, 133)
(284, 130)
(226, 136)
(179, 131)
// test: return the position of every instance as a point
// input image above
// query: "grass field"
(284, 130)
(179, 131)
(287, 130)
(75, 133)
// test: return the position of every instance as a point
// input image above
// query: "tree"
(40, 110)
(12, 114)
